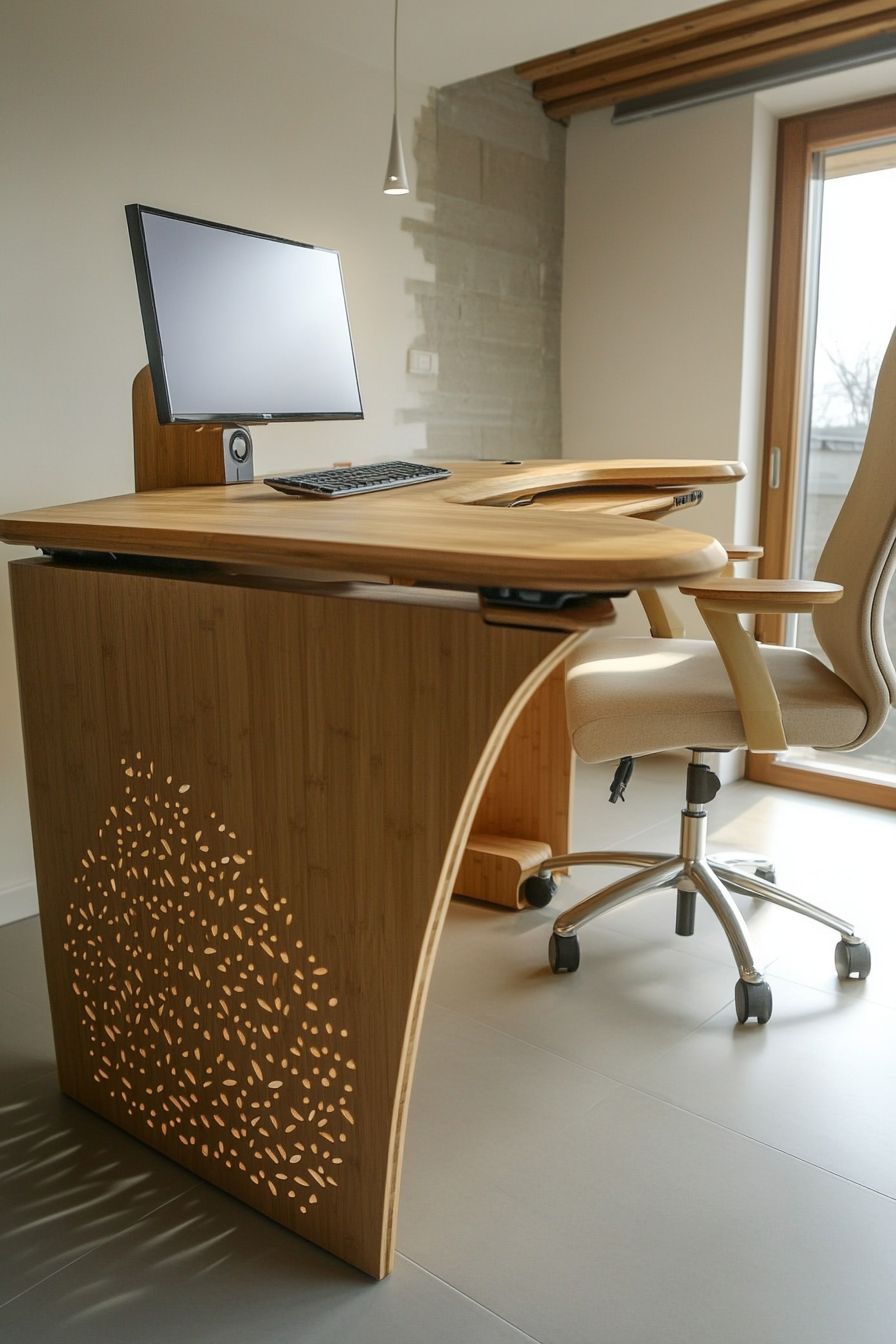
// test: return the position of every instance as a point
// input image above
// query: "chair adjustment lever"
(624, 771)
(702, 785)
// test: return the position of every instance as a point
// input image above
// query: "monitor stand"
(166, 456)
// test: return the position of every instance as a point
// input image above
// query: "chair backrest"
(861, 555)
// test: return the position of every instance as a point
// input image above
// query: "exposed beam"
(705, 44)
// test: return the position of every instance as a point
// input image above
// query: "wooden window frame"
(799, 139)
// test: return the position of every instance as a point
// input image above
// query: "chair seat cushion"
(629, 697)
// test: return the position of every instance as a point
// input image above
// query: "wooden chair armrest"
(763, 595)
(720, 602)
(736, 552)
(664, 622)
(750, 680)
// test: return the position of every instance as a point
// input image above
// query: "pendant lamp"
(396, 183)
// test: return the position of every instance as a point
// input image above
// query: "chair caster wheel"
(563, 953)
(753, 1000)
(852, 959)
(539, 890)
(766, 873)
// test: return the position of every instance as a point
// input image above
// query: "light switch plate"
(423, 361)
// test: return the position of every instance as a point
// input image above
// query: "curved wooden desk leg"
(248, 807)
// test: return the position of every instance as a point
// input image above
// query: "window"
(833, 309)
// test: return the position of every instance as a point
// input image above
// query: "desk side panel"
(242, 802)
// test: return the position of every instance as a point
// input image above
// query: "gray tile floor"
(605, 1158)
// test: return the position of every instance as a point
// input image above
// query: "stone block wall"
(491, 167)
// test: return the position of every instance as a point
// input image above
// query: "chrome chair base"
(716, 878)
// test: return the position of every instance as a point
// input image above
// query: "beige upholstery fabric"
(860, 555)
(629, 697)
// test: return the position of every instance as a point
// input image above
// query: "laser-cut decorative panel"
(207, 1017)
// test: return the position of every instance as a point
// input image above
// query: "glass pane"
(856, 316)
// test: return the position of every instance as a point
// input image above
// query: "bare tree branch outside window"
(852, 386)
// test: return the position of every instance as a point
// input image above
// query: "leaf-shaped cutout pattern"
(204, 1012)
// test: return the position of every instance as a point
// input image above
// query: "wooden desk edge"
(406, 535)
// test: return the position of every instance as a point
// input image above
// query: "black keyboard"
(361, 480)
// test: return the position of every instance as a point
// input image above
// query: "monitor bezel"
(134, 214)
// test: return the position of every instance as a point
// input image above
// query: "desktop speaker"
(237, 445)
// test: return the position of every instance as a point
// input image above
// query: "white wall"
(193, 109)
(668, 231)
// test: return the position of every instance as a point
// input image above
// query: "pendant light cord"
(395, 59)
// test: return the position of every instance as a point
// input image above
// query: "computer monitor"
(241, 327)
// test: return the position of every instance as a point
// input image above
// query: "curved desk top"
(442, 531)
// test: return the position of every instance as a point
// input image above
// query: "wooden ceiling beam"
(706, 44)
(688, 27)
(621, 86)
(844, 22)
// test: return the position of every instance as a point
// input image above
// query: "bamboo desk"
(251, 792)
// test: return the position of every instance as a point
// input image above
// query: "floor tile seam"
(674, 1045)
(765, 965)
(21, 919)
(832, 993)
(671, 947)
(437, 1278)
(20, 998)
(530, 1045)
(101, 1245)
(28, 1083)
(718, 961)
(604, 1075)
(623, 841)
(645, 1091)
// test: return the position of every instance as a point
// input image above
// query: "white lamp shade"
(396, 183)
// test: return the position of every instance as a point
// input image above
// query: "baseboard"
(729, 765)
(18, 903)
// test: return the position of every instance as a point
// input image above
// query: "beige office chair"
(631, 697)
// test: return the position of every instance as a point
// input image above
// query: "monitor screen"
(240, 326)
